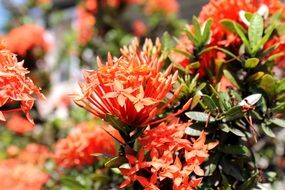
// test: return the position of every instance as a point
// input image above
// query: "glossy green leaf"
(233, 114)
(195, 101)
(281, 86)
(234, 149)
(206, 31)
(116, 161)
(267, 83)
(229, 25)
(251, 100)
(255, 76)
(251, 63)
(231, 169)
(117, 124)
(192, 131)
(278, 122)
(267, 130)
(243, 37)
(255, 30)
(280, 28)
(72, 183)
(231, 78)
(209, 103)
(237, 132)
(199, 116)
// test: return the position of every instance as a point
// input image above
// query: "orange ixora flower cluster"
(132, 87)
(172, 157)
(167, 7)
(14, 85)
(235, 10)
(18, 176)
(24, 169)
(36, 40)
(83, 141)
(84, 24)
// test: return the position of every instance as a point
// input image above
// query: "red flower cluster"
(36, 40)
(18, 124)
(14, 85)
(231, 9)
(19, 176)
(167, 7)
(24, 170)
(83, 141)
(131, 87)
(84, 24)
(173, 156)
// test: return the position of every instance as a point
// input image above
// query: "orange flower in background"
(163, 143)
(35, 154)
(14, 85)
(167, 7)
(84, 25)
(35, 39)
(83, 141)
(19, 125)
(17, 175)
(139, 28)
(131, 87)
(230, 9)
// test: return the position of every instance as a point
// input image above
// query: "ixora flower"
(24, 170)
(131, 87)
(83, 141)
(17, 175)
(84, 25)
(167, 7)
(172, 156)
(36, 40)
(234, 9)
(18, 124)
(14, 85)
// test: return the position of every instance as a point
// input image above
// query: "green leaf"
(192, 131)
(251, 63)
(234, 149)
(233, 114)
(267, 83)
(255, 76)
(231, 169)
(231, 78)
(197, 28)
(72, 183)
(280, 86)
(251, 100)
(264, 39)
(117, 124)
(167, 42)
(255, 30)
(249, 183)
(199, 116)
(229, 24)
(194, 65)
(195, 101)
(278, 122)
(206, 31)
(116, 161)
(237, 132)
(209, 103)
(192, 38)
(243, 37)
(226, 185)
(280, 28)
(267, 130)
